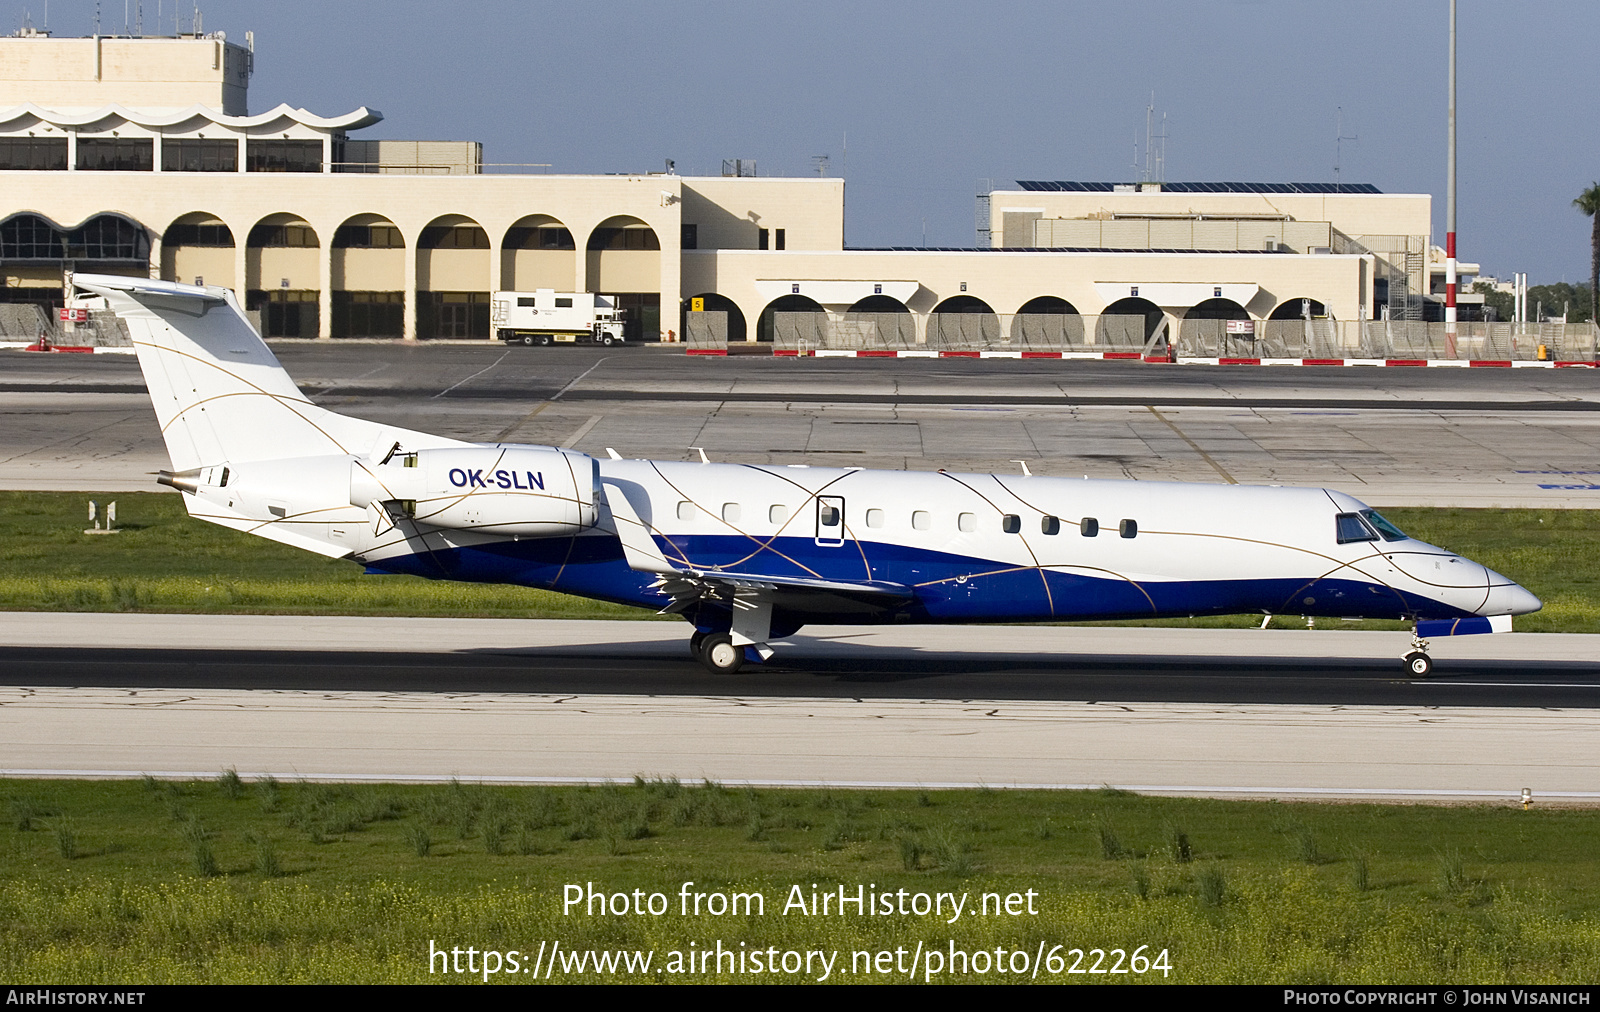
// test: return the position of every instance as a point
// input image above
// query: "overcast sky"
(934, 97)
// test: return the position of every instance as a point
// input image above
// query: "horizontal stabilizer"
(1434, 628)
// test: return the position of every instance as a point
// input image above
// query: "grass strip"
(223, 881)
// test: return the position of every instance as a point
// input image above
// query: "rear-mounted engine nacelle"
(532, 491)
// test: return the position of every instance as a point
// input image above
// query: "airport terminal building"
(139, 155)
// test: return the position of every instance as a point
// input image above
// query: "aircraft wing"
(690, 586)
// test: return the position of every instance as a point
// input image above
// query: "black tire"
(527, 340)
(607, 340)
(542, 340)
(696, 638)
(719, 655)
(1418, 664)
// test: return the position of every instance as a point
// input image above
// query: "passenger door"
(830, 521)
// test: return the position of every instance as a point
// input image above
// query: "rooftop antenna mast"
(1338, 147)
(97, 17)
(1149, 117)
(1155, 145)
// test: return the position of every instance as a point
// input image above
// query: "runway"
(1391, 437)
(1275, 713)
(1209, 712)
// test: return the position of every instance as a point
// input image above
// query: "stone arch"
(199, 248)
(108, 238)
(1203, 331)
(283, 275)
(368, 268)
(623, 232)
(536, 252)
(736, 329)
(622, 258)
(878, 321)
(878, 304)
(963, 322)
(1292, 309)
(35, 248)
(453, 278)
(1047, 322)
(769, 328)
(1129, 323)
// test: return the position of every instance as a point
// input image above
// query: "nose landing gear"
(1418, 663)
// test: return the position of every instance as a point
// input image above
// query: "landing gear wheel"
(1419, 664)
(696, 640)
(718, 653)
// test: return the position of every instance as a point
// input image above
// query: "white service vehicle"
(547, 316)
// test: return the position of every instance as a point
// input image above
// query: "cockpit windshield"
(1389, 531)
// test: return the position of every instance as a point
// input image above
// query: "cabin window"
(967, 522)
(874, 518)
(1050, 525)
(778, 514)
(730, 512)
(921, 520)
(1011, 524)
(686, 511)
(524, 302)
(1089, 527)
(563, 303)
(1128, 528)
(1351, 528)
(1389, 531)
(828, 515)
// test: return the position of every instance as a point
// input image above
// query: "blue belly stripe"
(594, 566)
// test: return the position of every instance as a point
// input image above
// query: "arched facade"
(1046, 322)
(770, 328)
(734, 326)
(453, 258)
(1299, 309)
(283, 275)
(882, 321)
(1204, 333)
(35, 249)
(199, 248)
(368, 273)
(963, 322)
(622, 259)
(536, 252)
(1129, 323)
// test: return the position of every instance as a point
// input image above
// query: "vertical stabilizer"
(219, 392)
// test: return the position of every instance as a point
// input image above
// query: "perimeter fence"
(1057, 333)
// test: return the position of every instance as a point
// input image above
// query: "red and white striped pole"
(1450, 203)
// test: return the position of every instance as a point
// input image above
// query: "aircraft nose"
(1510, 599)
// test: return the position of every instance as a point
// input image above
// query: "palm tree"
(1589, 203)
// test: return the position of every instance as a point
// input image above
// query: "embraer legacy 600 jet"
(748, 554)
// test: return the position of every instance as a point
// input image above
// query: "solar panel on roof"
(1076, 186)
(1054, 249)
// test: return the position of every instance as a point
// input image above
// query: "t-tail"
(248, 449)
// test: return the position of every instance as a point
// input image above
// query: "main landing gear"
(717, 652)
(1418, 663)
